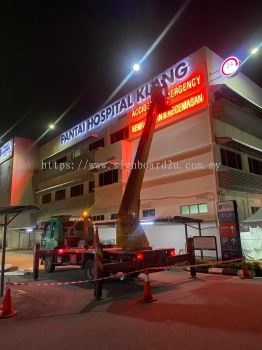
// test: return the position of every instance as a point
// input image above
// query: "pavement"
(209, 312)
(22, 258)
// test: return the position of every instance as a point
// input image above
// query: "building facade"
(206, 148)
(18, 161)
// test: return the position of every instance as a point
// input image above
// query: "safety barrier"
(122, 275)
(7, 311)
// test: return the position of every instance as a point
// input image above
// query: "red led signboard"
(179, 109)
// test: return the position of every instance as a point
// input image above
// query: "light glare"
(51, 126)
(136, 67)
(254, 51)
(147, 223)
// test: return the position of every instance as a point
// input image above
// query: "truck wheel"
(49, 264)
(89, 270)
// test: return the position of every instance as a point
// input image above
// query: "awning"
(160, 220)
(18, 209)
(239, 145)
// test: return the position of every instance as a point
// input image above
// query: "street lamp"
(51, 126)
(136, 67)
(254, 50)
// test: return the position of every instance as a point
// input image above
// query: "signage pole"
(186, 233)
(192, 258)
(98, 267)
(3, 257)
(36, 261)
(200, 234)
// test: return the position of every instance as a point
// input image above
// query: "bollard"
(36, 261)
(98, 267)
(192, 258)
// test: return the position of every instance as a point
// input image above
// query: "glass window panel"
(184, 209)
(202, 208)
(194, 209)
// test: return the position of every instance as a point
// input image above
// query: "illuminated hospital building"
(206, 148)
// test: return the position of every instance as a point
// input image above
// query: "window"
(148, 212)
(254, 209)
(255, 166)
(114, 216)
(231, 159)
(97, 144)
(120, 135)
(46, 198)
(61, 160)
(108, 177)
(49, 228)
(76, 153)
(91, 186)
(184, 210)
(202, 208)
(98, 218)
(77, 190)
(59, 195)
(194, 209)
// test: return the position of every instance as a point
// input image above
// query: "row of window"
(146, 213)
(233, 160)
(115, 137)
(98, 217)
(114, 216)
(194, 209)
(106, 178)
(184, 209)
(228, 158)
(75, 191)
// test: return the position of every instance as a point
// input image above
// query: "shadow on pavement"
(34, 301)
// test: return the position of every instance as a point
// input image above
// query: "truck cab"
(64, 231)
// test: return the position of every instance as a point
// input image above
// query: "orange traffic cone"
(147, 297)
(6, 307)
(245, 273)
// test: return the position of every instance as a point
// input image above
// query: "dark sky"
(52, 51)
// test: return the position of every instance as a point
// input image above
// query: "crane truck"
(69, 240)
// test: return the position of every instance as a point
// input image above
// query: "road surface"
(210, 312)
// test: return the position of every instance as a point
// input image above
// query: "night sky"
(53, 51)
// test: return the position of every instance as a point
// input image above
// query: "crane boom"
(129, 232)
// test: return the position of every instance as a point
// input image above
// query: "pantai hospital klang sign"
(183, 79)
